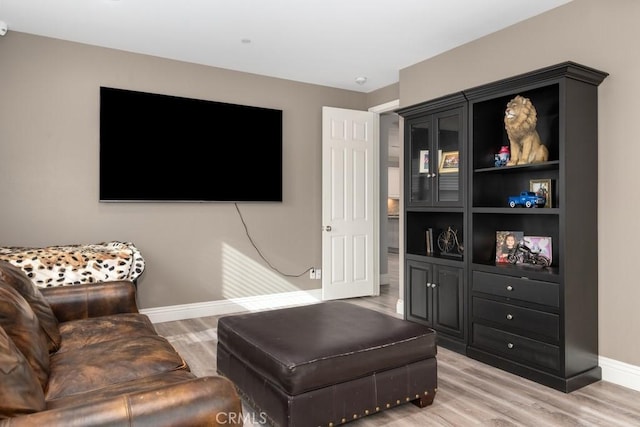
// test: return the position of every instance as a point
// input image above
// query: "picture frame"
(449, 162)
(424, 161)
(542, 187)
(506, 242)
(541, 245)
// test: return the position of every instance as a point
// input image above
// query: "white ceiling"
(325, 42)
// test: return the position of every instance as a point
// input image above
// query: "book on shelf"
(429, 241)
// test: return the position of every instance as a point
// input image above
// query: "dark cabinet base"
(454, 344)
(565, 385)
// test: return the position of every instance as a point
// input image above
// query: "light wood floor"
(470, 393)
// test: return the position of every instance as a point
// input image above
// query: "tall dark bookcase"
(537, 322)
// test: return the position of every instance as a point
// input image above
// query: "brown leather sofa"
(84, 356)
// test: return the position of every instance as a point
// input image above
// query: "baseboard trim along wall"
(620, 373)
(613, 371)
(234, 305)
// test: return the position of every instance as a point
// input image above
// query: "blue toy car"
(527, 199)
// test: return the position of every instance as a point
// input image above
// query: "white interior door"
(350, 203)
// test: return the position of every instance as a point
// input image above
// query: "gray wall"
(603, 35)
(49, 104)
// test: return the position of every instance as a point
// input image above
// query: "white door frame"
(382, 108)
(385, 108)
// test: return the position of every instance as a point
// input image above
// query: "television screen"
(157, 147)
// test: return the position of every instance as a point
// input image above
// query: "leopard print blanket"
(77, 264)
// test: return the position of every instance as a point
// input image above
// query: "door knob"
(327, 228)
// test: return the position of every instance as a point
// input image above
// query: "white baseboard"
(620, 373)
(235, 305)
(613, 371)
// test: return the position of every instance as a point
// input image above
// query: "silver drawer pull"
(509, 316)
(509, 345)
(509, 287)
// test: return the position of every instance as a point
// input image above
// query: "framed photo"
(506, 242)
(540, 245)
(449, 162)
(424, 161)
(542, 187)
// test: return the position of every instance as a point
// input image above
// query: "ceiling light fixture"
(361, 80)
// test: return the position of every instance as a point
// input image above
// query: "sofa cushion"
(16, 278)
(122, 388)
(22, 326)
(83, 332)
(20, 391)
(106, 363)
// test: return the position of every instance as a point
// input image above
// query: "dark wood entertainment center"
(537, 322)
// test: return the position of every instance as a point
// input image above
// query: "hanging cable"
(246, 230)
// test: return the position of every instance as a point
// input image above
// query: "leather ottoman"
(328, 363)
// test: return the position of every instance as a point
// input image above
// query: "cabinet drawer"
(516, 347)
(512, 316)
(523, 289)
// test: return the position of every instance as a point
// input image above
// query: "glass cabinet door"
(447, 146)
(435, 159)
(421, 168)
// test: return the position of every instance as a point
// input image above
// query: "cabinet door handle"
(509, 316)
(509, 345)
(509, 287)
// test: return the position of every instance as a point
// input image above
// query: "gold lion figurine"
(520, 118)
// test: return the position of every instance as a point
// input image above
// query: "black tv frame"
(164, 148)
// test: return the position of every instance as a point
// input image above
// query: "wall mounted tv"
(165, 148)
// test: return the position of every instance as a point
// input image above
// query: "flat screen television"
(161, 148)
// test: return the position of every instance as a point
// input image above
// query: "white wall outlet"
(318, 274)
(312, 273)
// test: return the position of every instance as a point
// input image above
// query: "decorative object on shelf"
(424, 161)
(448, 243)
(506, 244)
(520, 120)
(542, 188)
(532, 250)
(449, 162)
(503, 156)
(528, 199)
